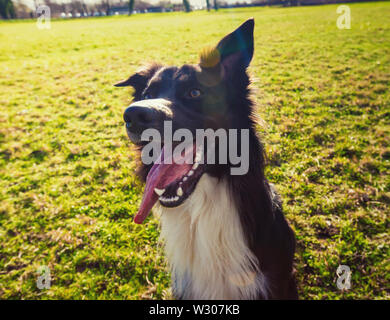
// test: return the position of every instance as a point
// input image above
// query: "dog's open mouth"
(171, 181)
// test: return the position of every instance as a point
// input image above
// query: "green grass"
(68, 192)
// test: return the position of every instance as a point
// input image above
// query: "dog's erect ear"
(233, 51)
(237, 47)
(140, 79)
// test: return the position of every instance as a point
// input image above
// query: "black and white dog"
(225, 235)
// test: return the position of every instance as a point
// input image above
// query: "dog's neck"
(206, 246)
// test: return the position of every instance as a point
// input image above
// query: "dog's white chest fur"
(206, 247)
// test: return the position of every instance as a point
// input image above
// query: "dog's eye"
(194, 93)
(147, 96)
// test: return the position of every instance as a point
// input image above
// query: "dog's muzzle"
(145, 114)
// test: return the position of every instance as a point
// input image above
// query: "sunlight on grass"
(68, 190)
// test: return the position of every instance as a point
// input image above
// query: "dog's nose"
(145, 114)
(139, 118)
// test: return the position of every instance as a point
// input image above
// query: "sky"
(30, 3)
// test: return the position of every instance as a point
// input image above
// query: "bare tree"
(85, 8)
(7, 9)
(187, 6)
(131, 7)
(107, 5)
(55, 8)
(75, 7)
(208, 5)
(21, 10)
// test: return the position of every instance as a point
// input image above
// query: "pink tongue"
(160, 176)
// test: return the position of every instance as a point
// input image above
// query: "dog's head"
(210, 95)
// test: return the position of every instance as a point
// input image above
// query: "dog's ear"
(233, 52)
(236, 49)
(140, 79)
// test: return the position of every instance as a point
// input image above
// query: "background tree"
(131, 7)
(11, 10)
(85, 8)
(75, 7)
(208, 5)
(187, 6)
(215, 5)
(21, 10)
(7, 10)
(55, 7)
(107, 5)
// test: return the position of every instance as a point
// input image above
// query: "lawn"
(68, 193)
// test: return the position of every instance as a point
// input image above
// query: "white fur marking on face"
(204, 242)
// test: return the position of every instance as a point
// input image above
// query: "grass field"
(68, 192)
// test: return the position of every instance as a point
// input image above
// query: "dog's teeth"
(190, 173)
(159, 191)
(179, 192)
(185, 179)
(195, 166)
(173, 199)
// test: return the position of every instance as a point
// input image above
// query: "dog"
(225, 235)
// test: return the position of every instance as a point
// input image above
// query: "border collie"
(225, 235)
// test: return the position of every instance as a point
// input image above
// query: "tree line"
(12, 9)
